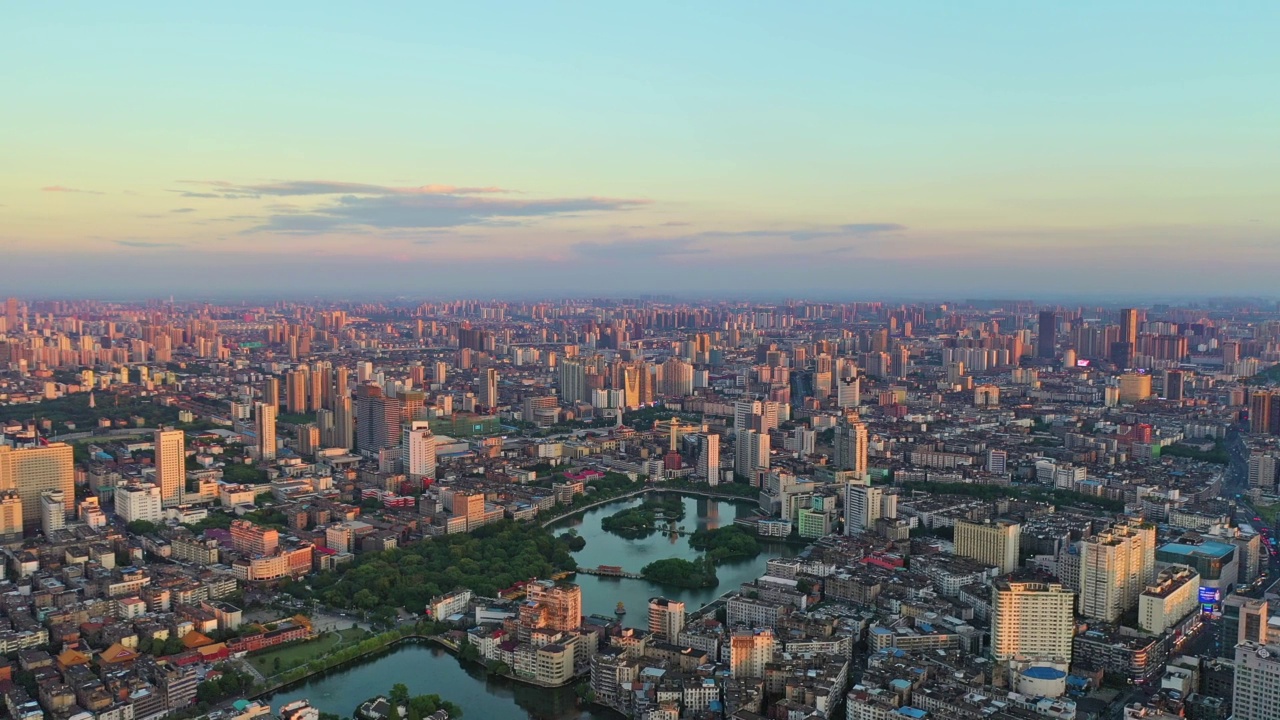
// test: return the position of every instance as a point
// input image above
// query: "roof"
(1208, 547)
(118, 653)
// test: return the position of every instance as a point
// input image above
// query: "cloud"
(64, 189)
(352, 212)
(147, 244)
(331, 187)
(872, 228)
(183, 210)
(638, 249)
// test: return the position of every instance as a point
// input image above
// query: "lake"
(426, 669)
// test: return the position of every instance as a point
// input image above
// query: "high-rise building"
(749, 652)
(271, 391)
(994, 542)
(1116, 565)
(997, 461)
(1260, 412)
(264, 416)
(1174, 385)
(1034, 620)
(1135, 387)
(11, 314)
(862, 507)
(1047, 337)
(561, 603)
(489, 388)
(1262, 470)
(31, 471)
(751, 454)
(250, 539)
(1256, 692)
(171, 465)
(418, 451)
(10, 515)
(709, 457)
(1244, 619)
(53, 511)
(296, 385)
(139, 501)
(851, 445)
(848, 392)
(666, 618)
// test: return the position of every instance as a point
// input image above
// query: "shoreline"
(642, 491)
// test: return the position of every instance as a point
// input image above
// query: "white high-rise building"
(751, 453)
(1262, 470)
(171, 465)
(862, 507)
(1032, 620)
(139, 501)
(265, 424)
(1256, 692)
(749, 652)
(418, 451)
(709, 457)
(992, 542)
(1116, 565)
(53, 511)
(849, 392)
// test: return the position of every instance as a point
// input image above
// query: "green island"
(682, 573)
(416, 707)
(726, 543)
(486, 561)
(643, 520)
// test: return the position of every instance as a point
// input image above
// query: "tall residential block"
(1256, 692)
(31, 471)
(1032, 620)
(994, 542)
(264, 417)
(171, 465)
(1047, 335)
(666, 618)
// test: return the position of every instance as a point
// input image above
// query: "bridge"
(610, 571)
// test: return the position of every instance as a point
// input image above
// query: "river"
(428, 669)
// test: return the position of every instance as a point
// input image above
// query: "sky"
(503, 149)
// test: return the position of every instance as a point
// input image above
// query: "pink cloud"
(64, 189)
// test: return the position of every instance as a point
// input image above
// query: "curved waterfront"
(427, 668)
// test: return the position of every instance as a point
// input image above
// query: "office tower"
(862, 507)
(749, 652)
(759, 415)
(561, 603)
(851, 445)
(489, 388)
(171, 464)
(418, 451)
(848, 392)
(53, 511)
(573, 381)
(994, 542)
(1116, 565)
(309, 437)
(1256, 693)
(31, 471)
(341, 384)
(366, 395)
(264, 416)
(250, 539)
(1129, 327)
(1170, 599)
(1034, 620)
(271, 391)
(709, 457)
(364, 371)
(296, 384)
(751, 455)
(677, 378)
(10, 515)
(1174, 385)
(666, 618)
(1135, 387)
(1047, 337)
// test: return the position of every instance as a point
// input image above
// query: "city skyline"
(852, 151)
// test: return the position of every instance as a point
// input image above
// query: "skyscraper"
(296, 384)
(709, 457)
(1032, 620)
(31, 471)
(1116, 565)
(992, 542)
(851, 445)
(489, 388)
(749, 652)
(849, 392)
(751, 454)
(265, 425)
(666, 618)
(271, 391)
(53, 511)
(171, 465)
(343, 423)
(1047, 335)
(11, 314)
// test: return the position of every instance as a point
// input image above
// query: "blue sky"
(797, 148)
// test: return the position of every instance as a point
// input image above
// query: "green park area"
(297, 654)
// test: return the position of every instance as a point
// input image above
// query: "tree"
(399, 694)
(141, 527)
(468, 652)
